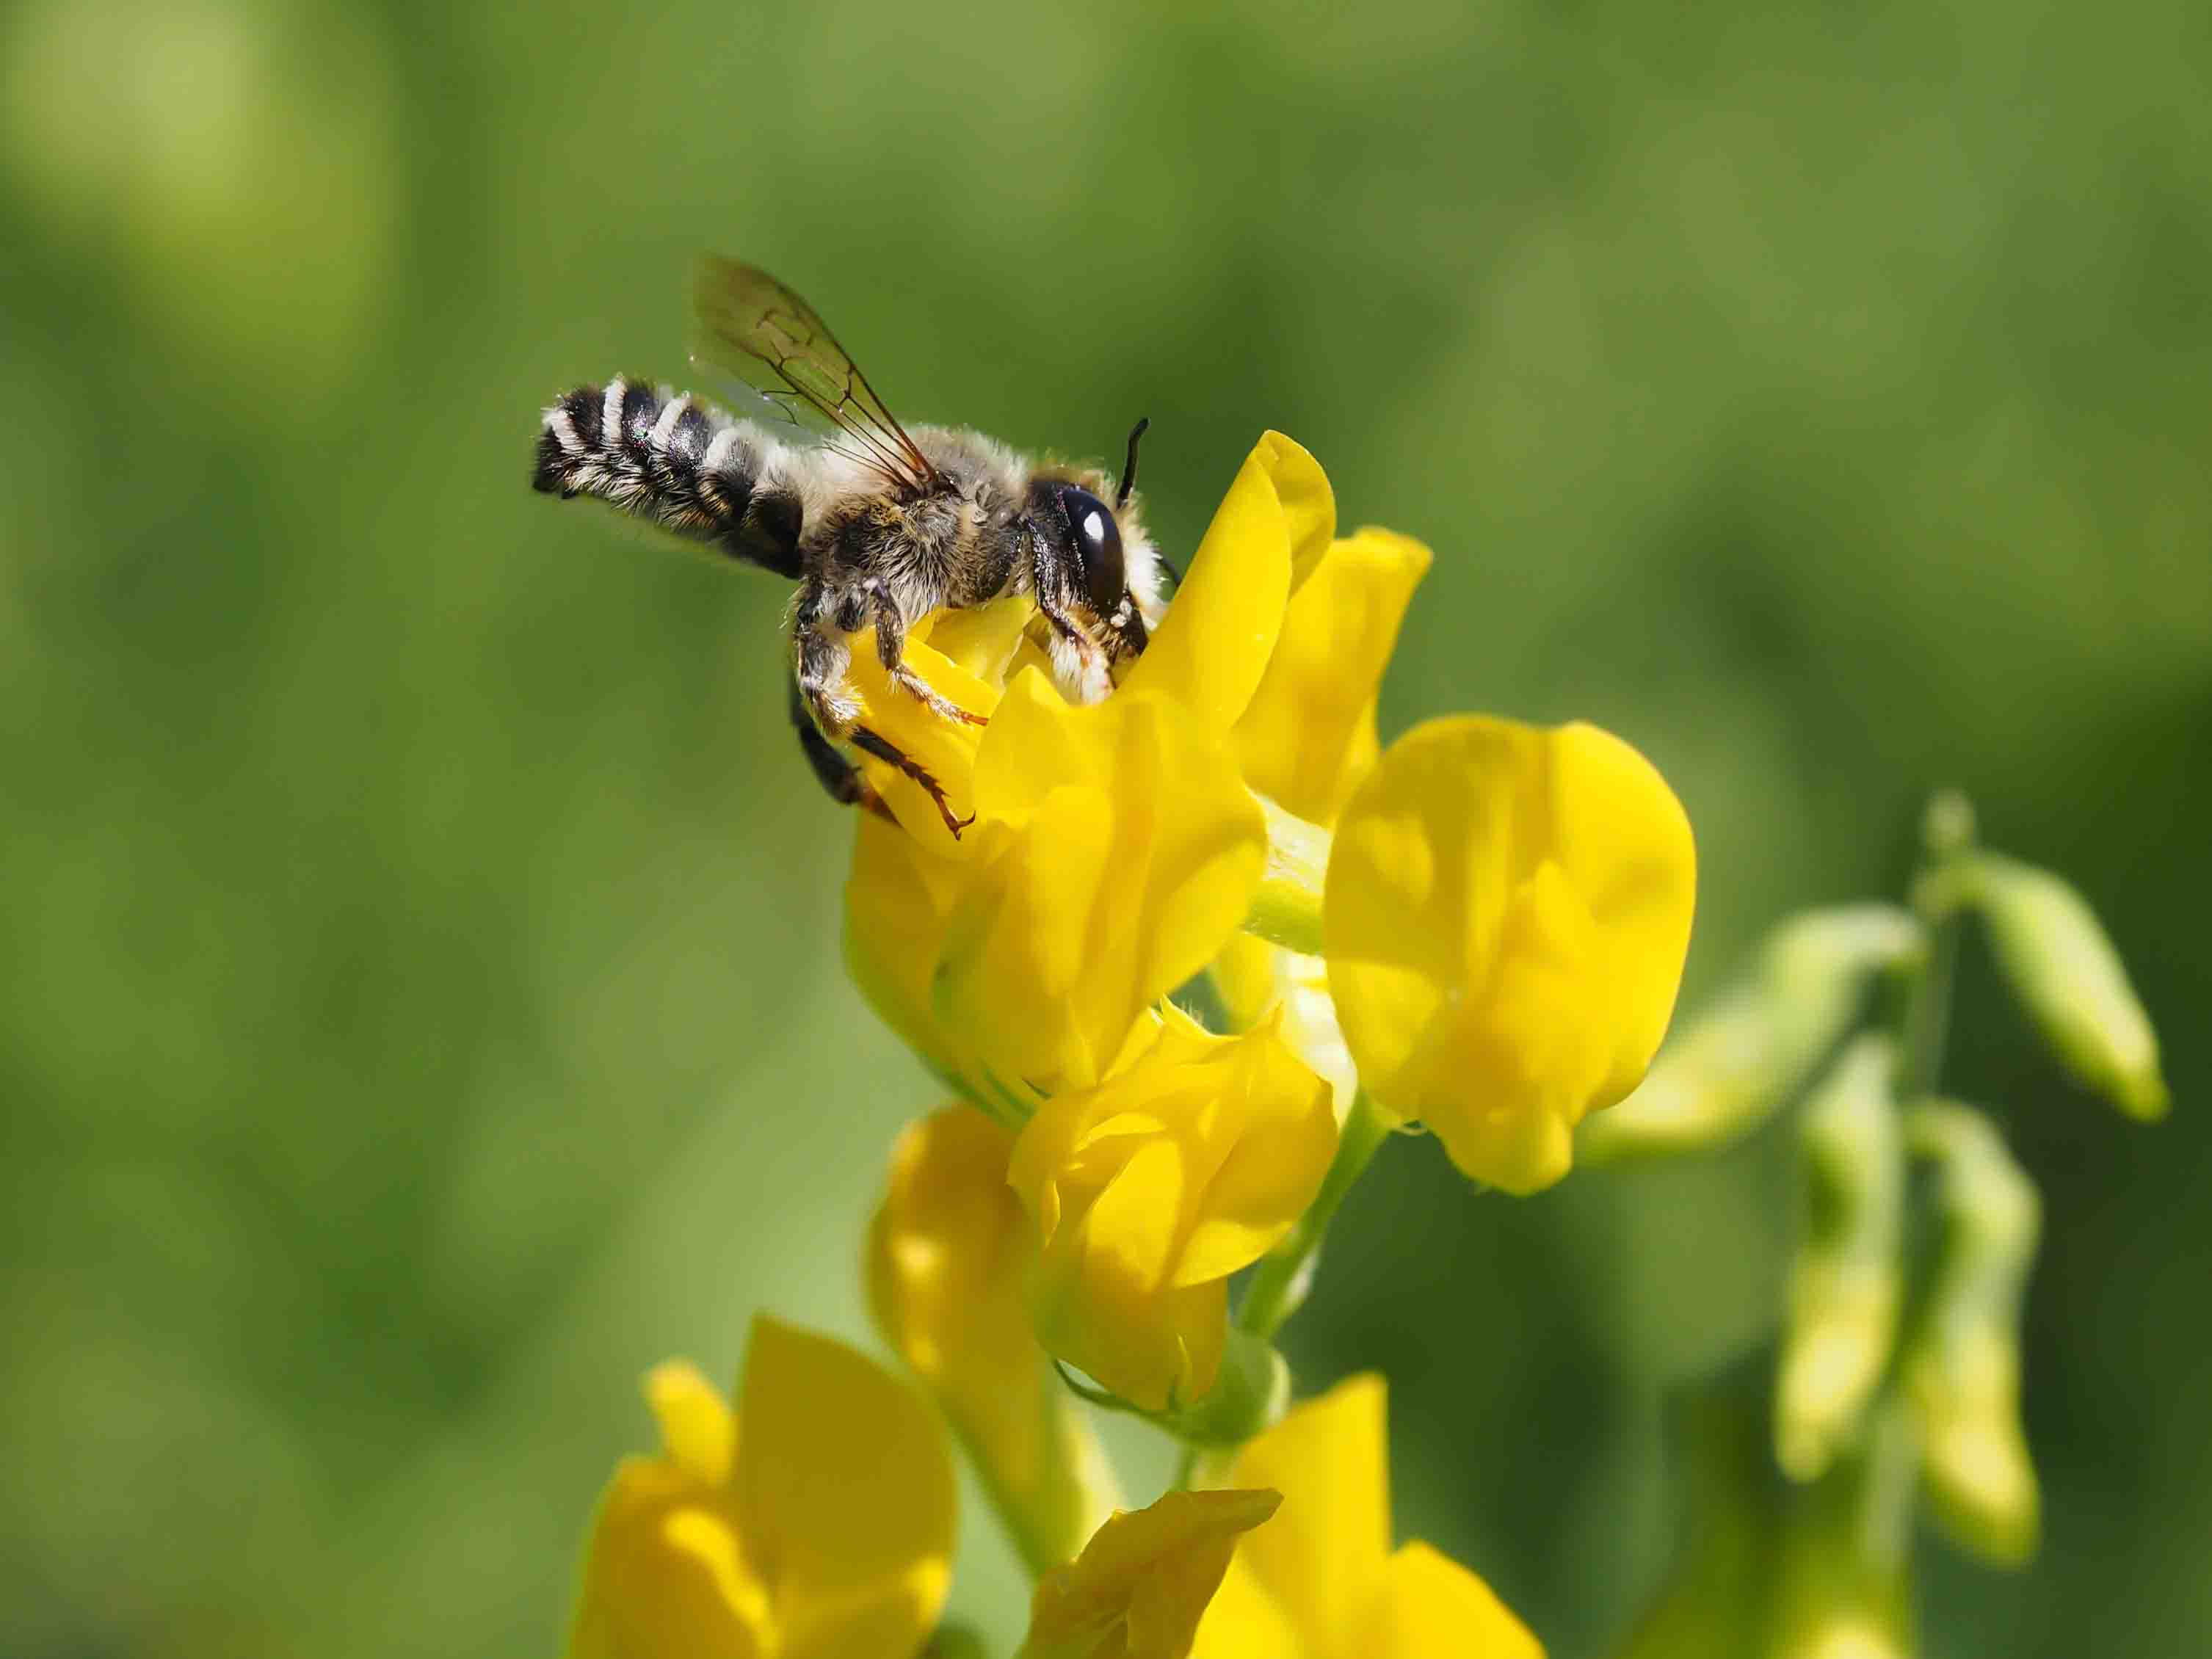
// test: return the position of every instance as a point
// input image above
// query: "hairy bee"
(877, 525)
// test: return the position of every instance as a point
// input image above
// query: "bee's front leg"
(1078, 662)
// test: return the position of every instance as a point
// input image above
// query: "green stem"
(1947, 840)
(1947, 835)
(1186, 1467)
(1285, 1273)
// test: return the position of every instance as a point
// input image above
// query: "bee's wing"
(752, 326)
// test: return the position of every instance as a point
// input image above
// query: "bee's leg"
(836, 774)
(818, 661)
(1078, 663)
(891, 651)
(891, 755)
(819, 658)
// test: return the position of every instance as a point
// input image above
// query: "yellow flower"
(1114, 850)
(1320, 1581)
(814, 1523)
(946, 1258)
(1506, 914)
(1195, 1157)
(1139, 1587)
(1506, 909)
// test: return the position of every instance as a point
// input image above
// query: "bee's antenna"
(1129, 466)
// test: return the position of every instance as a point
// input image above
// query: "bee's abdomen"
(668, 460)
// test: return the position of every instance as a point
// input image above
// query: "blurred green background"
(422, 1008)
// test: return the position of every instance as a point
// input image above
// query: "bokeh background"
(420, 1006)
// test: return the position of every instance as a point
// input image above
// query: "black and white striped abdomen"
(668, 460)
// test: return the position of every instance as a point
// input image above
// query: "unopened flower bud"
(1846, 1285)
(2063, 967)
(1754, 1048)
(1961, 1370)
(945, 1258)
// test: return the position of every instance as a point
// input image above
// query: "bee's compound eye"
(1098, 543)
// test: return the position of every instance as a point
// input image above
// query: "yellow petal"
(844, 1484)
(1308, 735)
(666, 1573)
(980, 640)
(1266, 1180)
(1209, 652)
(1139, 1587)
(1323, 1559)
(1243, 1621)
(899, 901)
(1434, 1608)
(1128, 851)
(697, 1428)
(1506, 914)
(1245, 978)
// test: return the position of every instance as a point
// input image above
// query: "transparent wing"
(752, 326)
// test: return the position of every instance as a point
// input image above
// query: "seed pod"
(1847, 1284)
(2063, 967)
(1962, 1368)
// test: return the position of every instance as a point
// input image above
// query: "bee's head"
(1110, 571)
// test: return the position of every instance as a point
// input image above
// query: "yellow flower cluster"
(1496, 914)
(815, 1522)
(1480, 928)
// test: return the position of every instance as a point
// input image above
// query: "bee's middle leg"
(891, 651)
(822, 700)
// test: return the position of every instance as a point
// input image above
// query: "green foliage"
(423, 1009)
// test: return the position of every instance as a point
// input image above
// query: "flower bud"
(1250, 1392)
(1961, 1370)
(2063, 967)
(1846, 1285)
(1753, 1049)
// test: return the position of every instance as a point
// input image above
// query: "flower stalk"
(1279, 1285)
(1947, 835)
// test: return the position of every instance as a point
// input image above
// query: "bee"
(877, 525)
